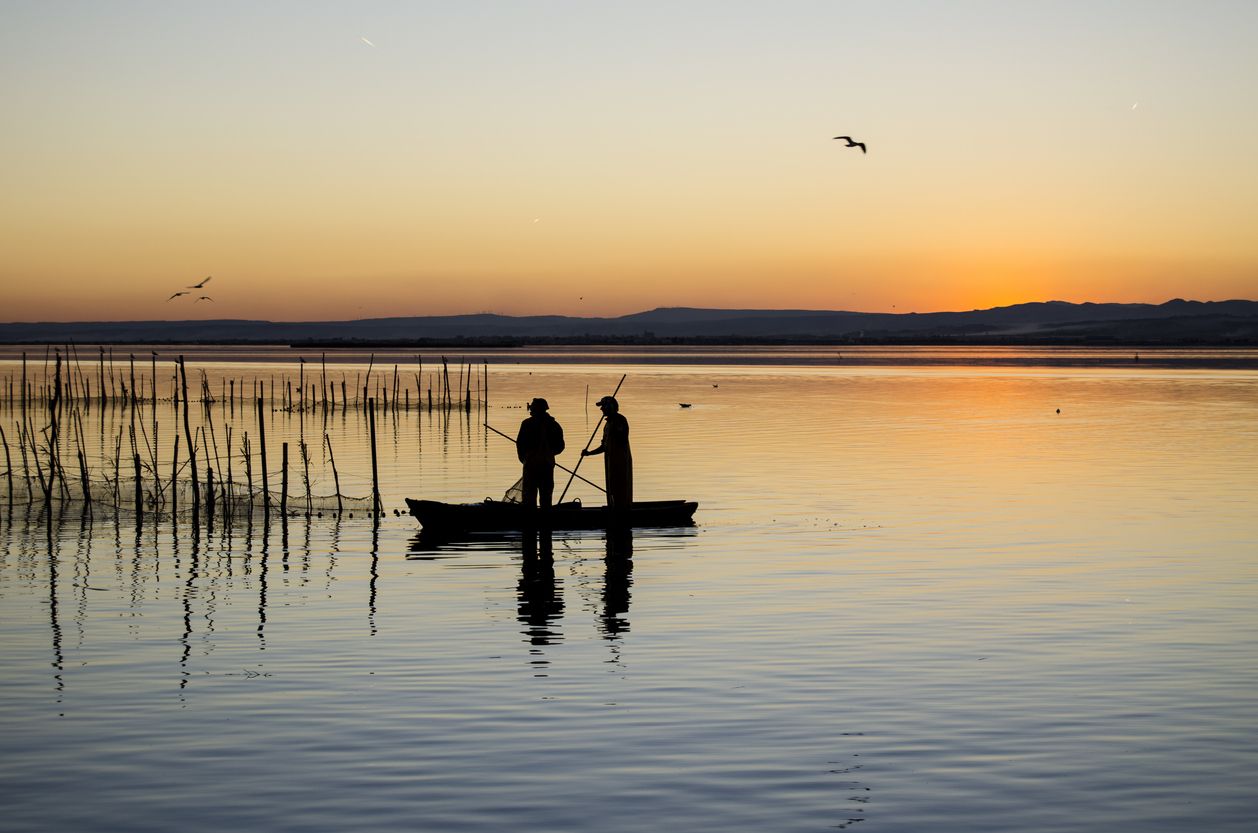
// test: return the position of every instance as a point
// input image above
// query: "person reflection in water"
(539, 440)
(617, 459)
(540, 598)
(617, 579)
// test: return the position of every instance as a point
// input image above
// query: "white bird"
(364, 40)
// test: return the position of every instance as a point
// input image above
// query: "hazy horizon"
(394, 315)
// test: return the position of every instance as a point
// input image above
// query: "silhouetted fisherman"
(539, 440)
(617, 459)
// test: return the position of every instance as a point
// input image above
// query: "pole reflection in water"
(375, 575)
(58, 657)
(541, 596)
(262, 573)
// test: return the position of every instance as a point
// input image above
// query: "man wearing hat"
(617, 459)
(539, 440)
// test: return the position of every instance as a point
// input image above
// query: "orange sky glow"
(589, 159)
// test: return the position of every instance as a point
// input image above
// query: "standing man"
(617, 459)
(539, 440)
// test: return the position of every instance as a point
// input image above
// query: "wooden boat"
(500, 516)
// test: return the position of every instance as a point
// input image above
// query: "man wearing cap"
(617, 459)
(539, 440)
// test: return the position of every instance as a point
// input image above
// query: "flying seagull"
(202, 283)
(852, 144)
(176, 295)
(203, 298)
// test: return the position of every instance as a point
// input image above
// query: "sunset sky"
(335, 160)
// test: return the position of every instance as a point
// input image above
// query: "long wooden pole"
(284, 480)
(557, 465)
(597, 426)
(266, 490)
(376, 505)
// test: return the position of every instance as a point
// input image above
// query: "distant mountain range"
(1052, 322)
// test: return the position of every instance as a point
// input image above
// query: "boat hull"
(498, 516)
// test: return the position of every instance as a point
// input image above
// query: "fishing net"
(120, 494)
(516, 493)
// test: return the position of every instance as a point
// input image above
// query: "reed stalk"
(8, 468)
(80, 441)
(192, 451)
(336, 478)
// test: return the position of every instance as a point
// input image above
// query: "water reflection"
(54, 622)
(617, 579)
(540, 603)
(540, 595)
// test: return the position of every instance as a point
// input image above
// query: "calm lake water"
(926, 590)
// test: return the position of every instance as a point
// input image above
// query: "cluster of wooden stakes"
(49, 465)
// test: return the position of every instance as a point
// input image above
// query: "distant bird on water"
(851, 143)
(202, 283)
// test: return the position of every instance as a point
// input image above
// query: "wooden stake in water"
(266, 488)
(336, 478)
(83, 475)
(8, 469)
(209, 495)
(376, 505)
(305, 476)
(174, 478)
(248, 470)
(467, 389)
(192, 449)
(104, 396)
(229, 495)
(139, 492)
(284, 480)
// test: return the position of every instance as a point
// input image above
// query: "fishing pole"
(559, 465)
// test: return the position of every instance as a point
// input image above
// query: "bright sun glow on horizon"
(595, 160)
